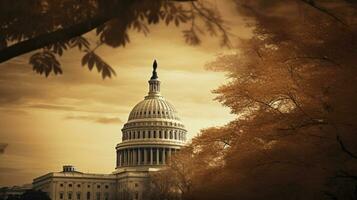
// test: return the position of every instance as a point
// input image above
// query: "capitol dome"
(152, 133)
(153, 107)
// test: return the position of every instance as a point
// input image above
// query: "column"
(129, 157)
(169, 154)
(157, 156)
(135, 156)
(151, 156)
(145, 156)
(124, 152)
(163, 156)
(119, 158)
(139, 156)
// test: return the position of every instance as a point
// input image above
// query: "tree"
(52, 27)
(34, 195)
(293, 90)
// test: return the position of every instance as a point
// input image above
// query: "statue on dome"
(154, 73)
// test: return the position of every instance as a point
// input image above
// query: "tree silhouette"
(52, 27)
(34, 195)
(292, 88)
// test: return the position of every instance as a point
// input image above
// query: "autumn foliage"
(293, 89)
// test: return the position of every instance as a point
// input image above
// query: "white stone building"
(152, 134)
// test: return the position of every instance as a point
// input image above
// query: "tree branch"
(343, 147)
(49, 38)
(312, 3)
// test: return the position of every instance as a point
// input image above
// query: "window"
(154, 134)
(106, 186)
(78, 195)
(106, 196)
(61, 185)
(88, 195)
(98, 196)
(70, 185)
(61, 195)
(98, 186)
(69, 195)
(136, 185)
(136, 195)
(79, 185)
(88, 186)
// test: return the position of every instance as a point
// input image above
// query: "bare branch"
(43, 40)
(344, 148)
(312, 4)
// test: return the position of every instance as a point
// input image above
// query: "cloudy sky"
(76, 118)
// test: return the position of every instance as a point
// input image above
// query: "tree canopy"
(292, 88)
(50, 28)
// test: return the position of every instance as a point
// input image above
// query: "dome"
(156, 107)
(152, 133)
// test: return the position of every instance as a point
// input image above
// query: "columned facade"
(158, 155)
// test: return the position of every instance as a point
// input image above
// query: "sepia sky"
(76, 118)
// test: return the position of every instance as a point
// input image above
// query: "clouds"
(96, 119)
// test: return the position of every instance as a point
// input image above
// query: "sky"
(76, 118)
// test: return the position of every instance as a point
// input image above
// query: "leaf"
(191, 37)
(3, 42)
(45, 62)
(79, 42)
(91, 59)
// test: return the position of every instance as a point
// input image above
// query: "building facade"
(151, 135)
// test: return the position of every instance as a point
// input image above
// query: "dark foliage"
(52, 27)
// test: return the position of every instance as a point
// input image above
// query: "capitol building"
(151, 135)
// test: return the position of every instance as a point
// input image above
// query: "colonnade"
(157, 134)
(135, 156)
